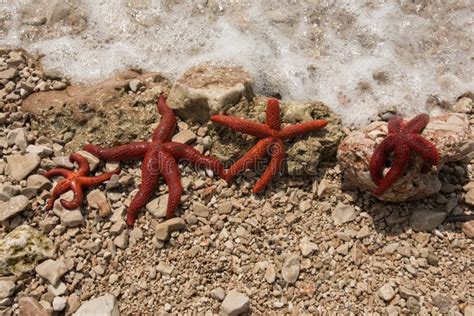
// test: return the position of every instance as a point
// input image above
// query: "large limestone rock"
(22, 249)
(205, 90)
(303, 154)
(106, 305)
(83, 109)
(449, 132)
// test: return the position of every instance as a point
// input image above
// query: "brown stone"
(31, 307)
(84, 108)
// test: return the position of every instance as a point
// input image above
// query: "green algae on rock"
(22, 249)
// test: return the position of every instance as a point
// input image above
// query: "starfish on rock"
(271, 141)
(159, 158)
(402, 139)
(75, 181)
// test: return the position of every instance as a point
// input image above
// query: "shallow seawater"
(360, 57)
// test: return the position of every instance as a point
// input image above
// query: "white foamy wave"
(358, 57)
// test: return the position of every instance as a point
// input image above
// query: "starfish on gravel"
(75, 181)
(402, 139)
(271, 141)
(159, 158)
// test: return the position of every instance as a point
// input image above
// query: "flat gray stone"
(7, 288)
(235, 303)
(106, 305)
(343, 213)
(426, 220)
(157, 207)
(51, 270)
(21, 166)
(291, 268)
(16, 205)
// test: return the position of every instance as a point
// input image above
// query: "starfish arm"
(77, 199)
(250, 159)
(119, 153)
(170, 173)
(150, 170)
(277, 151)
(182, 151)
(243, 126)
(416, 124)
(379, 157)
(273, 114)
(395, 124)
(82, 162)
(400, 162)
(59, 189)
(425, 149)
(302, 128)
(57, 172)
(96, 180)
(164, 131)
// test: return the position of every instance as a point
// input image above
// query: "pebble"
(426, 220)
(93, 160)
(40, 150)
(468, 228)
(21, 166)
(9, 73)
(14, 206)
(174, 224)
(291, 268)
(8, 191)
(164, 269)
(134, 84)
(157, 207)
(58, 289)
(7, 288)
(162, 232)
(17, 137)
(200, 209)
(121, 241)
(38, 182)
(69, 218)
(386, 292)
(106, 305)
(469, 197)
(63, 162)
(225, 207)
(97, 199)
(270, 273)
(343, 213)
(59, 303)
(218, 293)
(29, 306)
(307, 247)
(235, 303)
(469, 310)
(51, 270)
(185, 137)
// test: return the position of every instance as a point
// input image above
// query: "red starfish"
(271, 141)
(402, 139)
(159, 157)
(75, 181)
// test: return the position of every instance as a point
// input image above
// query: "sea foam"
(360, 57)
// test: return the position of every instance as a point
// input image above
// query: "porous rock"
(449, 132)
(303, 154)
(22, 249)
(205, 90)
